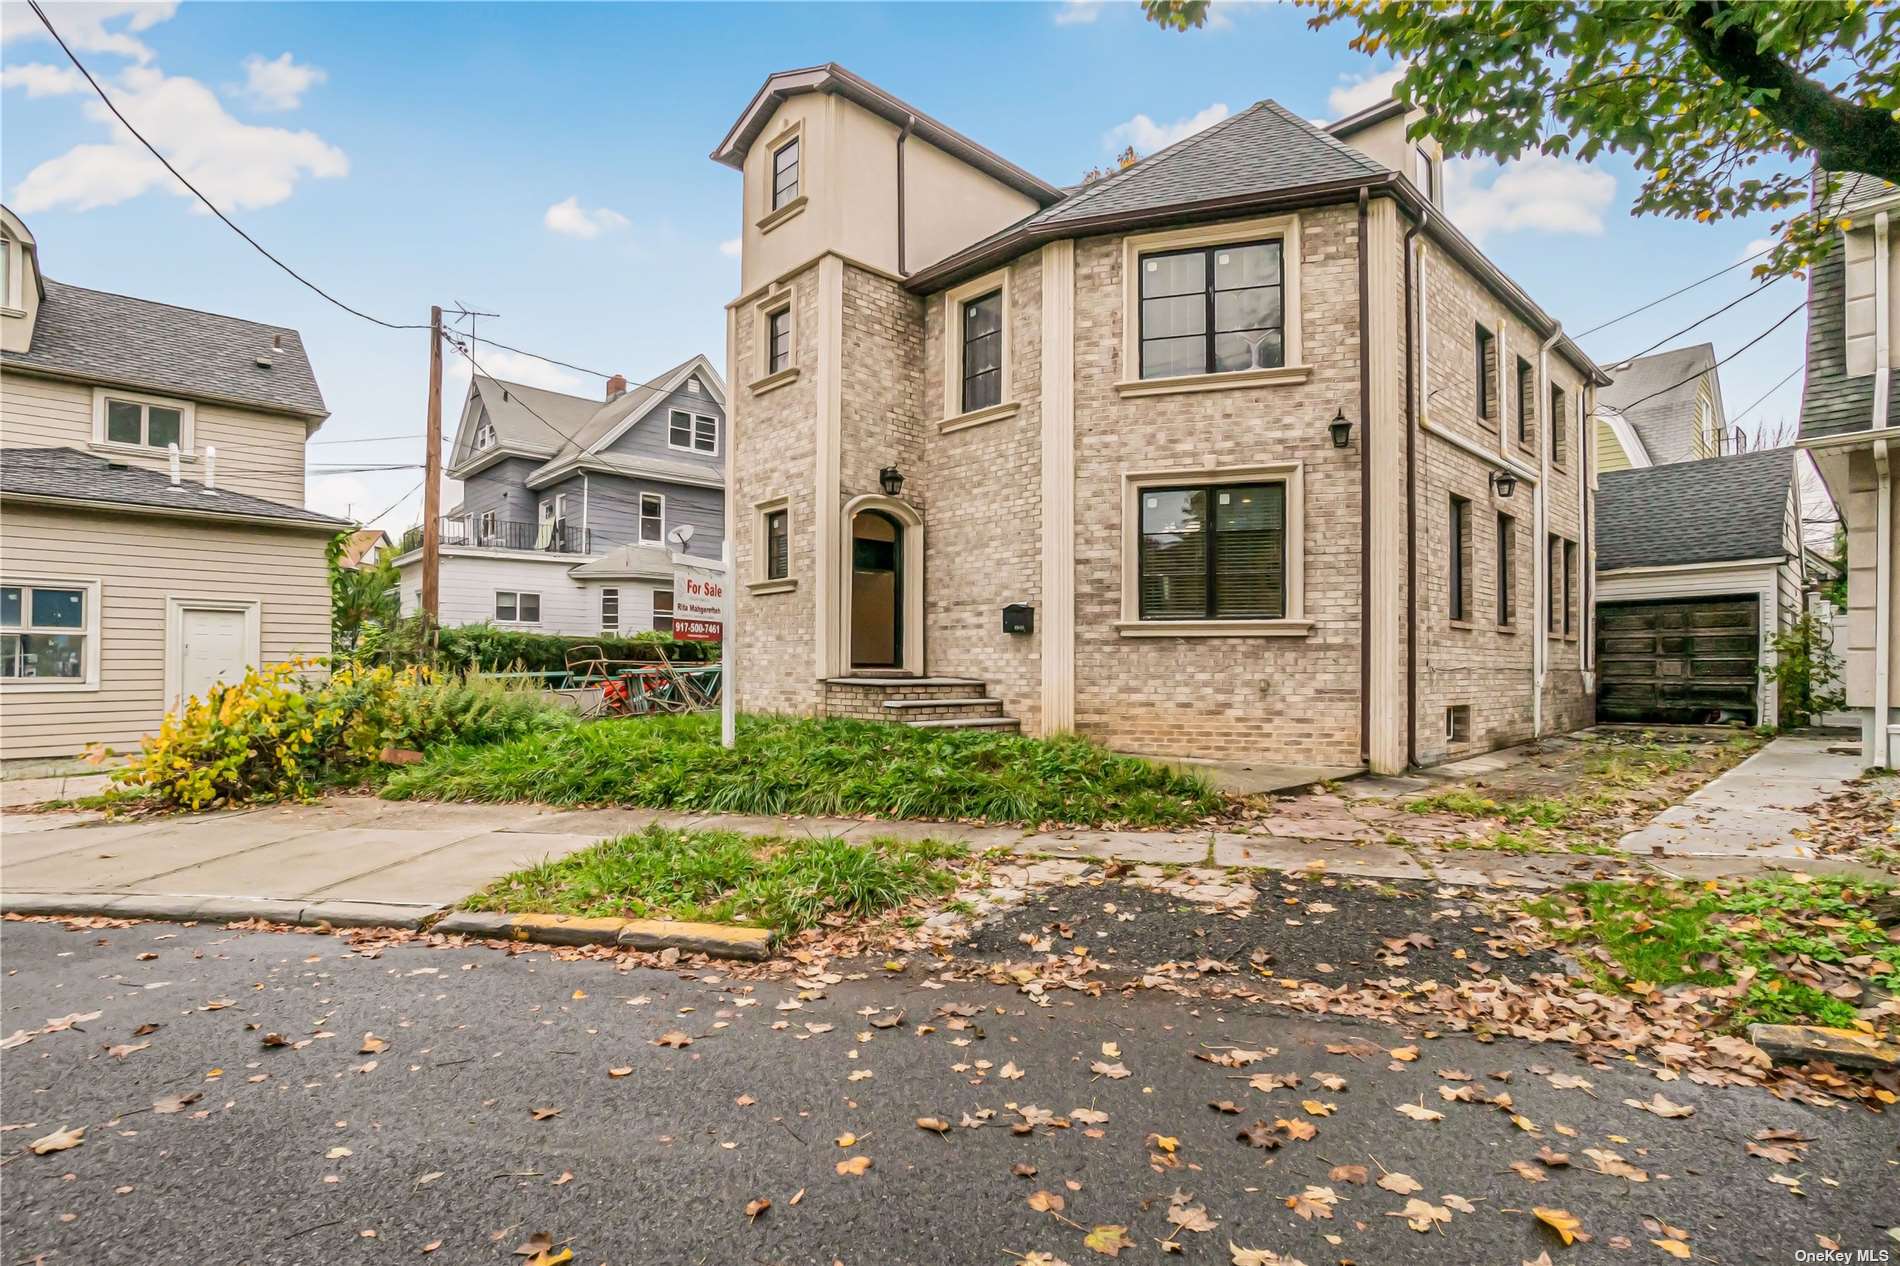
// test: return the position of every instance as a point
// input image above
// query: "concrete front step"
(967, 723)
(943, 709)
(887, 683)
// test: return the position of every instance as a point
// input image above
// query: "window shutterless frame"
(778, 340)
(1237, 543)
(982, 360)
(49, 634)
(652, 517)
(1459, 556)
(1485, 342)
(1507, 570)
(785, 173)
(1253, 312)
(778, 558)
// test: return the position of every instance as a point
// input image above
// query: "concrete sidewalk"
(1756, 811)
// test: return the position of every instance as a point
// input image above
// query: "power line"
(582, 369)
(212, 206)
(1673, 293)
(398, 501)
(1700, 321)
(1764, 395)
(1626, 407)
(370, 439)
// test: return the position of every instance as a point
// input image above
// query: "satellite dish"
(681, 535)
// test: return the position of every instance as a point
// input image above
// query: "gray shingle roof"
(1665, 420)
(110, 338)
(532, 419)
(66, 474)
(1263, 149)
(1719, 510)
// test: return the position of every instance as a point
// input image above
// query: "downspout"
(1541, 661)
(1881, 748)
(1365, 490)
(1413, 358)
(910, 121)
(584, 531)
(1587, 549)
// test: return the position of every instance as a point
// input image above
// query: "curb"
(193, 909)
(1845, 1048)
(715, 939)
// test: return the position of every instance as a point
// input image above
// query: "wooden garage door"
(1685, 662)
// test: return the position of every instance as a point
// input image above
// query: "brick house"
(1153, 459)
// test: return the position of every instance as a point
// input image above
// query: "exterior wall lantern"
(1341, 429)
(1505, 482)
(891, 480)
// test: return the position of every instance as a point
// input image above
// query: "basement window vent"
(1458, 723)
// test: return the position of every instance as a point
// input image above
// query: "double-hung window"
(1458, 548)
(610, 610)
(46, 632)
(694, 432)
(1558, 440)
(785, 173)
(1212, 310)
(652, 517)
(778, 554)
(486, 529)
(1526, 401)
(1487, 367)
(514, 607)
(778, 340)
(662, 610)
(1217, 552)
(143, 423)
(983, 351)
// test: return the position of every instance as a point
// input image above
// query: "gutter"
(315, 417)
(1413, 357)
(1880, 746)
(1540, 649)
(910, 123)
(1365, 488)
(328, 527)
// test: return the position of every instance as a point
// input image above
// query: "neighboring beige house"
(125, 586)
(1850, 425)
(1155, 459)
(1661, 409)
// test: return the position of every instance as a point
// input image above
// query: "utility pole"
(432, 479)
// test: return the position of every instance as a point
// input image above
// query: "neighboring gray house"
(1699, 565)
(1661, 409)
(568, 503)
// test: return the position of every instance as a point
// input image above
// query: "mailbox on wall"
(1019, 617)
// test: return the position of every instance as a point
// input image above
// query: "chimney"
(616, 386)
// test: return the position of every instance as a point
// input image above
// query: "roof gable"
(1657, 395)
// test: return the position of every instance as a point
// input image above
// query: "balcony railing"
(539, 538)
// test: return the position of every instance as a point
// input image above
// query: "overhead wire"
(1673, 293)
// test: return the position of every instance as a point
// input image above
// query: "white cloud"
(86, 26)
(41, 80)
(1147, 136)
(238, 165)
(343, 496)
(279, 84)
(1078, 12)
(732, 246)
(1756, 247)
(570, 219)
(1540, 193)
(1354, 93)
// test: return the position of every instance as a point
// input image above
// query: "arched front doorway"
(877, 590)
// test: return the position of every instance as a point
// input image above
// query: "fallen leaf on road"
(1418, 1112)
(1224, 1105)
(1661, 1107)
(1556, 1160)
(1404, 1054)
(755, 1207)
(1295, 1128)
(674, 1038)
(428, 1178)
(854, 1165)
(1108, 1240)
(1608, 1162)
(1046, 1202)
(1422, 1215)
(1259, 1257)
(372, 1045)
(273, 1040)
(338, 1153)
(1314, 1202)
(1403, 1184)
(432, 1246)
(1087, 1116)
(1009, 1072)
(620, 1072)
(847, 1139)
(121, 1051)
(1191, 1217)
(1114, 1072)
(165, 1105)
(1562, 1221)
(567, 1176)
(933, 1124)
(1675, 1248)
(542, 1114)
(1529, 1172)
(1459, 1203)
(1355, 1174)
(58, 1141)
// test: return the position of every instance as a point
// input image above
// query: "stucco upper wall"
(848, 183)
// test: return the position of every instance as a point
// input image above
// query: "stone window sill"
(784, 213)
(772, 382)
(977, 417)
(110, 449)
(1284, 374)
(1213, 628)
(1468, 626)
(772, 586)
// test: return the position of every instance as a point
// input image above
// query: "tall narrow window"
(1554, 569)
(1426, 185)
(1570, 588)
(983, 351)
(1213, 553)
(784, 173)
(1526, 401)
(662, 610)
(1458, 548)
(609, 610)
(1507, 570)
(1487, 367)
(778, 341)
(778, 554)
(1558, 424)
(1212, 310)
(652, 517)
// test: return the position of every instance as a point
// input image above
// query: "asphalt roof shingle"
(66, 474)
(1719, 510)
(1657, 394)
(158, 347)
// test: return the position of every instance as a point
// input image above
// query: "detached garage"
(1699, 565)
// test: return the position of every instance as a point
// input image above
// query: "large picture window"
(983, 351)
(45, 631)
(1212, 310)
(1213, 553)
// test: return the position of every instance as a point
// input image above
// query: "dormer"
(1380, 133)
(20, 286)
(834, 163)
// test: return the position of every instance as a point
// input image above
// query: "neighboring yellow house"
(153, 538)
(1661, 409)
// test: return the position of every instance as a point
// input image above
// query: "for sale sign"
(699, 604)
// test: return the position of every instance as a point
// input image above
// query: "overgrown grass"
(791, 765)
(1790, 931)
(785, 884)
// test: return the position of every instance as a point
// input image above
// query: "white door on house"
(214, 645)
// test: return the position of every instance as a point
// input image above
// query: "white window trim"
(762, 583)
(771, 217)
(1295, 369)
(640, 516)
(955, 417)
(175, 607)
(187, 422)
(1293, 624)
(11, 285)
(762, 314)
(484, 436)
(612, 591)
(518, 595)
(488, 527)
(692, 432)
(94, 630)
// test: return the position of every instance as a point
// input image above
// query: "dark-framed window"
(778, 552)
(778, 341)
(1213, 553)
(1526, 401)
(1212, 309)
(662, 610)
(784, 173)
(1487, 367)
(983, 351)
(1558, 440)
(1458, 548)
(1426, 185)
(1507, 570)
(1570, 587)
(1554, 570)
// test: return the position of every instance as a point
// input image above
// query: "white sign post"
(702, 612)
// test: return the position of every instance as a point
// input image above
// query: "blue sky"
(548, 162)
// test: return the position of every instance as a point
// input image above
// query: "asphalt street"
(503, 1095)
